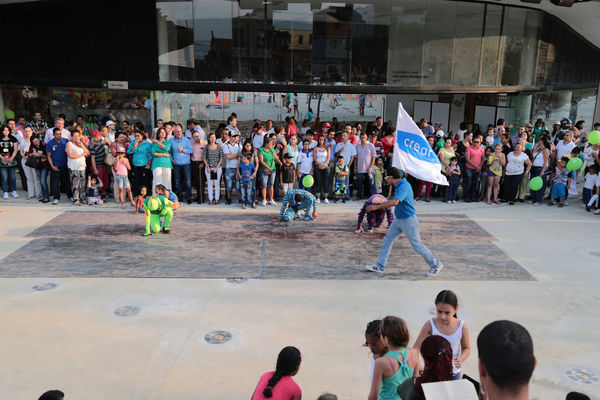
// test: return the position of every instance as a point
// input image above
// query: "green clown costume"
(157, 207)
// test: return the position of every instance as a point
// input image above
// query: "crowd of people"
(398, 372)
(92, 164)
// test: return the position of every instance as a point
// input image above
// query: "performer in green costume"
(155, 207)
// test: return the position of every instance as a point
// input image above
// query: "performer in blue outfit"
(296, 200)
(405, 222)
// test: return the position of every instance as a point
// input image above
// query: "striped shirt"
(98, 151)
(213, 156)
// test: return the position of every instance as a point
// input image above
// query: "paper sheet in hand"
(450, 390)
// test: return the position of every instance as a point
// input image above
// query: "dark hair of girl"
(373, 328)
(447, 297)
(252, 145)
(395, 330)
(437, 353)
(288, 362)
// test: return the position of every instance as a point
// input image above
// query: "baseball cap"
(96, 133)
(110, 122)
(439, 134)
(326, 125)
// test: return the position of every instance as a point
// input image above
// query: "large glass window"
(406, 54)
(433, 43)
(467, 45)
(175, 22)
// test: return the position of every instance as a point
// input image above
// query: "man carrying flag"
(411, 153)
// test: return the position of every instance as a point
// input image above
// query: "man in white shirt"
(258, 137)
(269, 127)
(225, 136)
(232, 125)
(169, 127)
(437, 130)
(564, 147)
(64, 133)
(232, 150)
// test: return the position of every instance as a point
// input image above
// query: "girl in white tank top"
(447, 325)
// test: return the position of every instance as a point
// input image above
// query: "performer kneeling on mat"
(296, 200)
(155, 208)
(374, 218)
(406, 221)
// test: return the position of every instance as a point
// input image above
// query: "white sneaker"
(597, 212)
(273, 203)
(374, 268)
(326, 201)
(565, 203)
(5, 195)
(434, 271)
(318, 201)
(15, 194)
(263, 203)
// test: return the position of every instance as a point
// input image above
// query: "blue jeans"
(246, 192)
(8, 176)
(42, 174)
(230, 180)
(409, 226)
(538, 195)
(363, 179)
(452, 193)
(183, 172)
(266, 180)
(321, 181)
(469, 173)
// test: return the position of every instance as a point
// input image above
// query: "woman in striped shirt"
(213, 158)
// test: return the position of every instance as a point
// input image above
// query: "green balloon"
(594, 137)
(574, 164)
(308, 181)
(536, 183)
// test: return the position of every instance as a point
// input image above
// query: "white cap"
(110, 122)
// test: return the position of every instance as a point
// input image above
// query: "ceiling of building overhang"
(583, 17)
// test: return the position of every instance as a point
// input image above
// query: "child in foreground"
(279, 384)
(447, 325)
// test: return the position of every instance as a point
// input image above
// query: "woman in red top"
(388, 142)
(279, 384)
(290, 129)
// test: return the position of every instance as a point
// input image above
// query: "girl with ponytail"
(437, 354)
(447, 325)
(278, 384)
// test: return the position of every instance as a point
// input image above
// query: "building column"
(597, 108)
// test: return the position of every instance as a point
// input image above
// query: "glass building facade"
(449, 61)
(399, 43)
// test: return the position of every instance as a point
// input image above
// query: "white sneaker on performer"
(434, 271)
(326, 201)
(375, 268)
(15, 194)
(272, 202)
(263, 203)
(5, 195)
(318, 201)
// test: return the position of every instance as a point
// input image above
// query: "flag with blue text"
(413, 154)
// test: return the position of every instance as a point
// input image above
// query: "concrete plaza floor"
(70, 336)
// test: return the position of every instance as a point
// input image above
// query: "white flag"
(413, 154)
